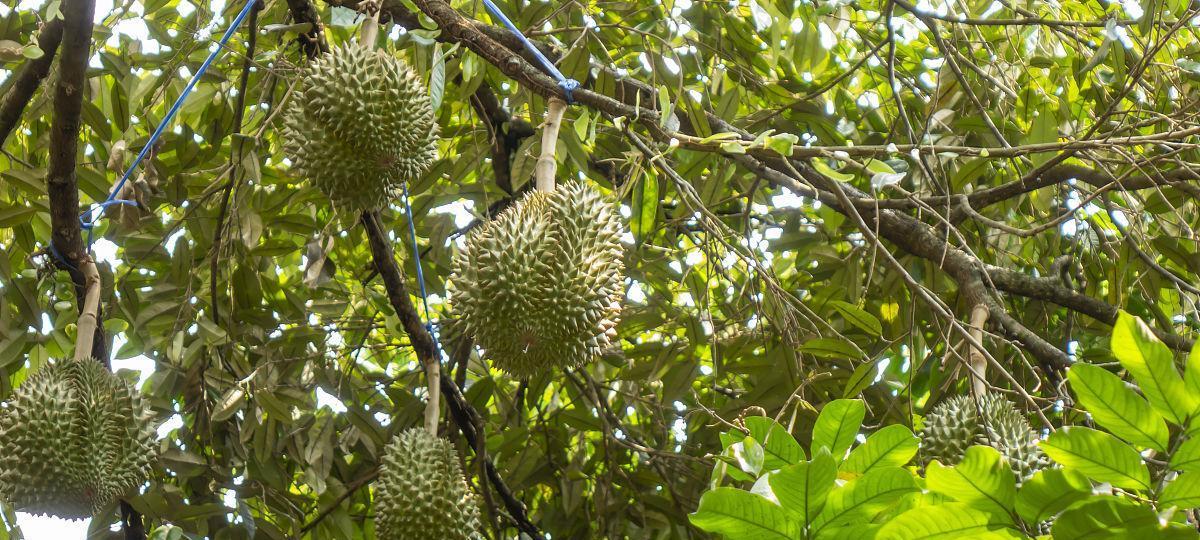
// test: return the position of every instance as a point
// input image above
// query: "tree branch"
(28, 78)
(312, 42)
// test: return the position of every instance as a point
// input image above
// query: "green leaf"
(1191, 373)
(1049, 492)
(1183, 492)
(982, 480)
(645, 206)
(857, 317)
(830, 348)
(780, 449)
(825, 169)
(1187, 456)
(750, 455)
(1107, 517)
(1117, 408)
(437, 77)
(890, 446)
(801, 488)
(1151, 364)
(741, 515)
(838, 425)
(1098, 456)
(859, 500)
(948, 521)
(862, 377)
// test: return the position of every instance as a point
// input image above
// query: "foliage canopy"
(837, 210)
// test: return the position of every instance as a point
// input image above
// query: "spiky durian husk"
(74, 437)
(360, 126)
(960, 422)
(540, 287)
(421, 492)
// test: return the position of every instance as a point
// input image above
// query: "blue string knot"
(568, 85)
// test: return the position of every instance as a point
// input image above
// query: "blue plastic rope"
(568, 85)
(412, 232)
(86, 221)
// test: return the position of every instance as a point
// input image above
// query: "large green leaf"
(801, 489)
(1152, 365)
(741, 515)
(1191, 373)
(779, 447)
(838, 425)
(1187, 456)
(857, 317)
(1117, 408)
(1049, 492)
(890, 446)
(982, 480)
(1098, 456)
(1113, 518)
(1183, 491)
(863, 497)
(948, 521)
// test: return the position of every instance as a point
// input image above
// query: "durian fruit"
(74, 437)
(540, 287)
(961, 422)
(360, 125)
(421, 492)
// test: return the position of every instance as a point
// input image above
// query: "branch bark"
(312, 42)
(28, 78)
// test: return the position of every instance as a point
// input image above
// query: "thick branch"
(1051, 290)
(64, 132)
(1093, 177)
(28, 78)
(312, 42)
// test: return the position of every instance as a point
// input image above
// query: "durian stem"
(433, 378)
(976, 359)
(547, 165)
(369, 31)
(85, 332)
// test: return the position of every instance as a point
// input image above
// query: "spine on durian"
(421, 491)
(74, 437)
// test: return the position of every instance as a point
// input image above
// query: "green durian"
(961, 422)
(421, 492)
(74, 437)
(359, 126)
(540, 287)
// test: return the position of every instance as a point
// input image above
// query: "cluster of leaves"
(280, 369)
(1102, 486)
